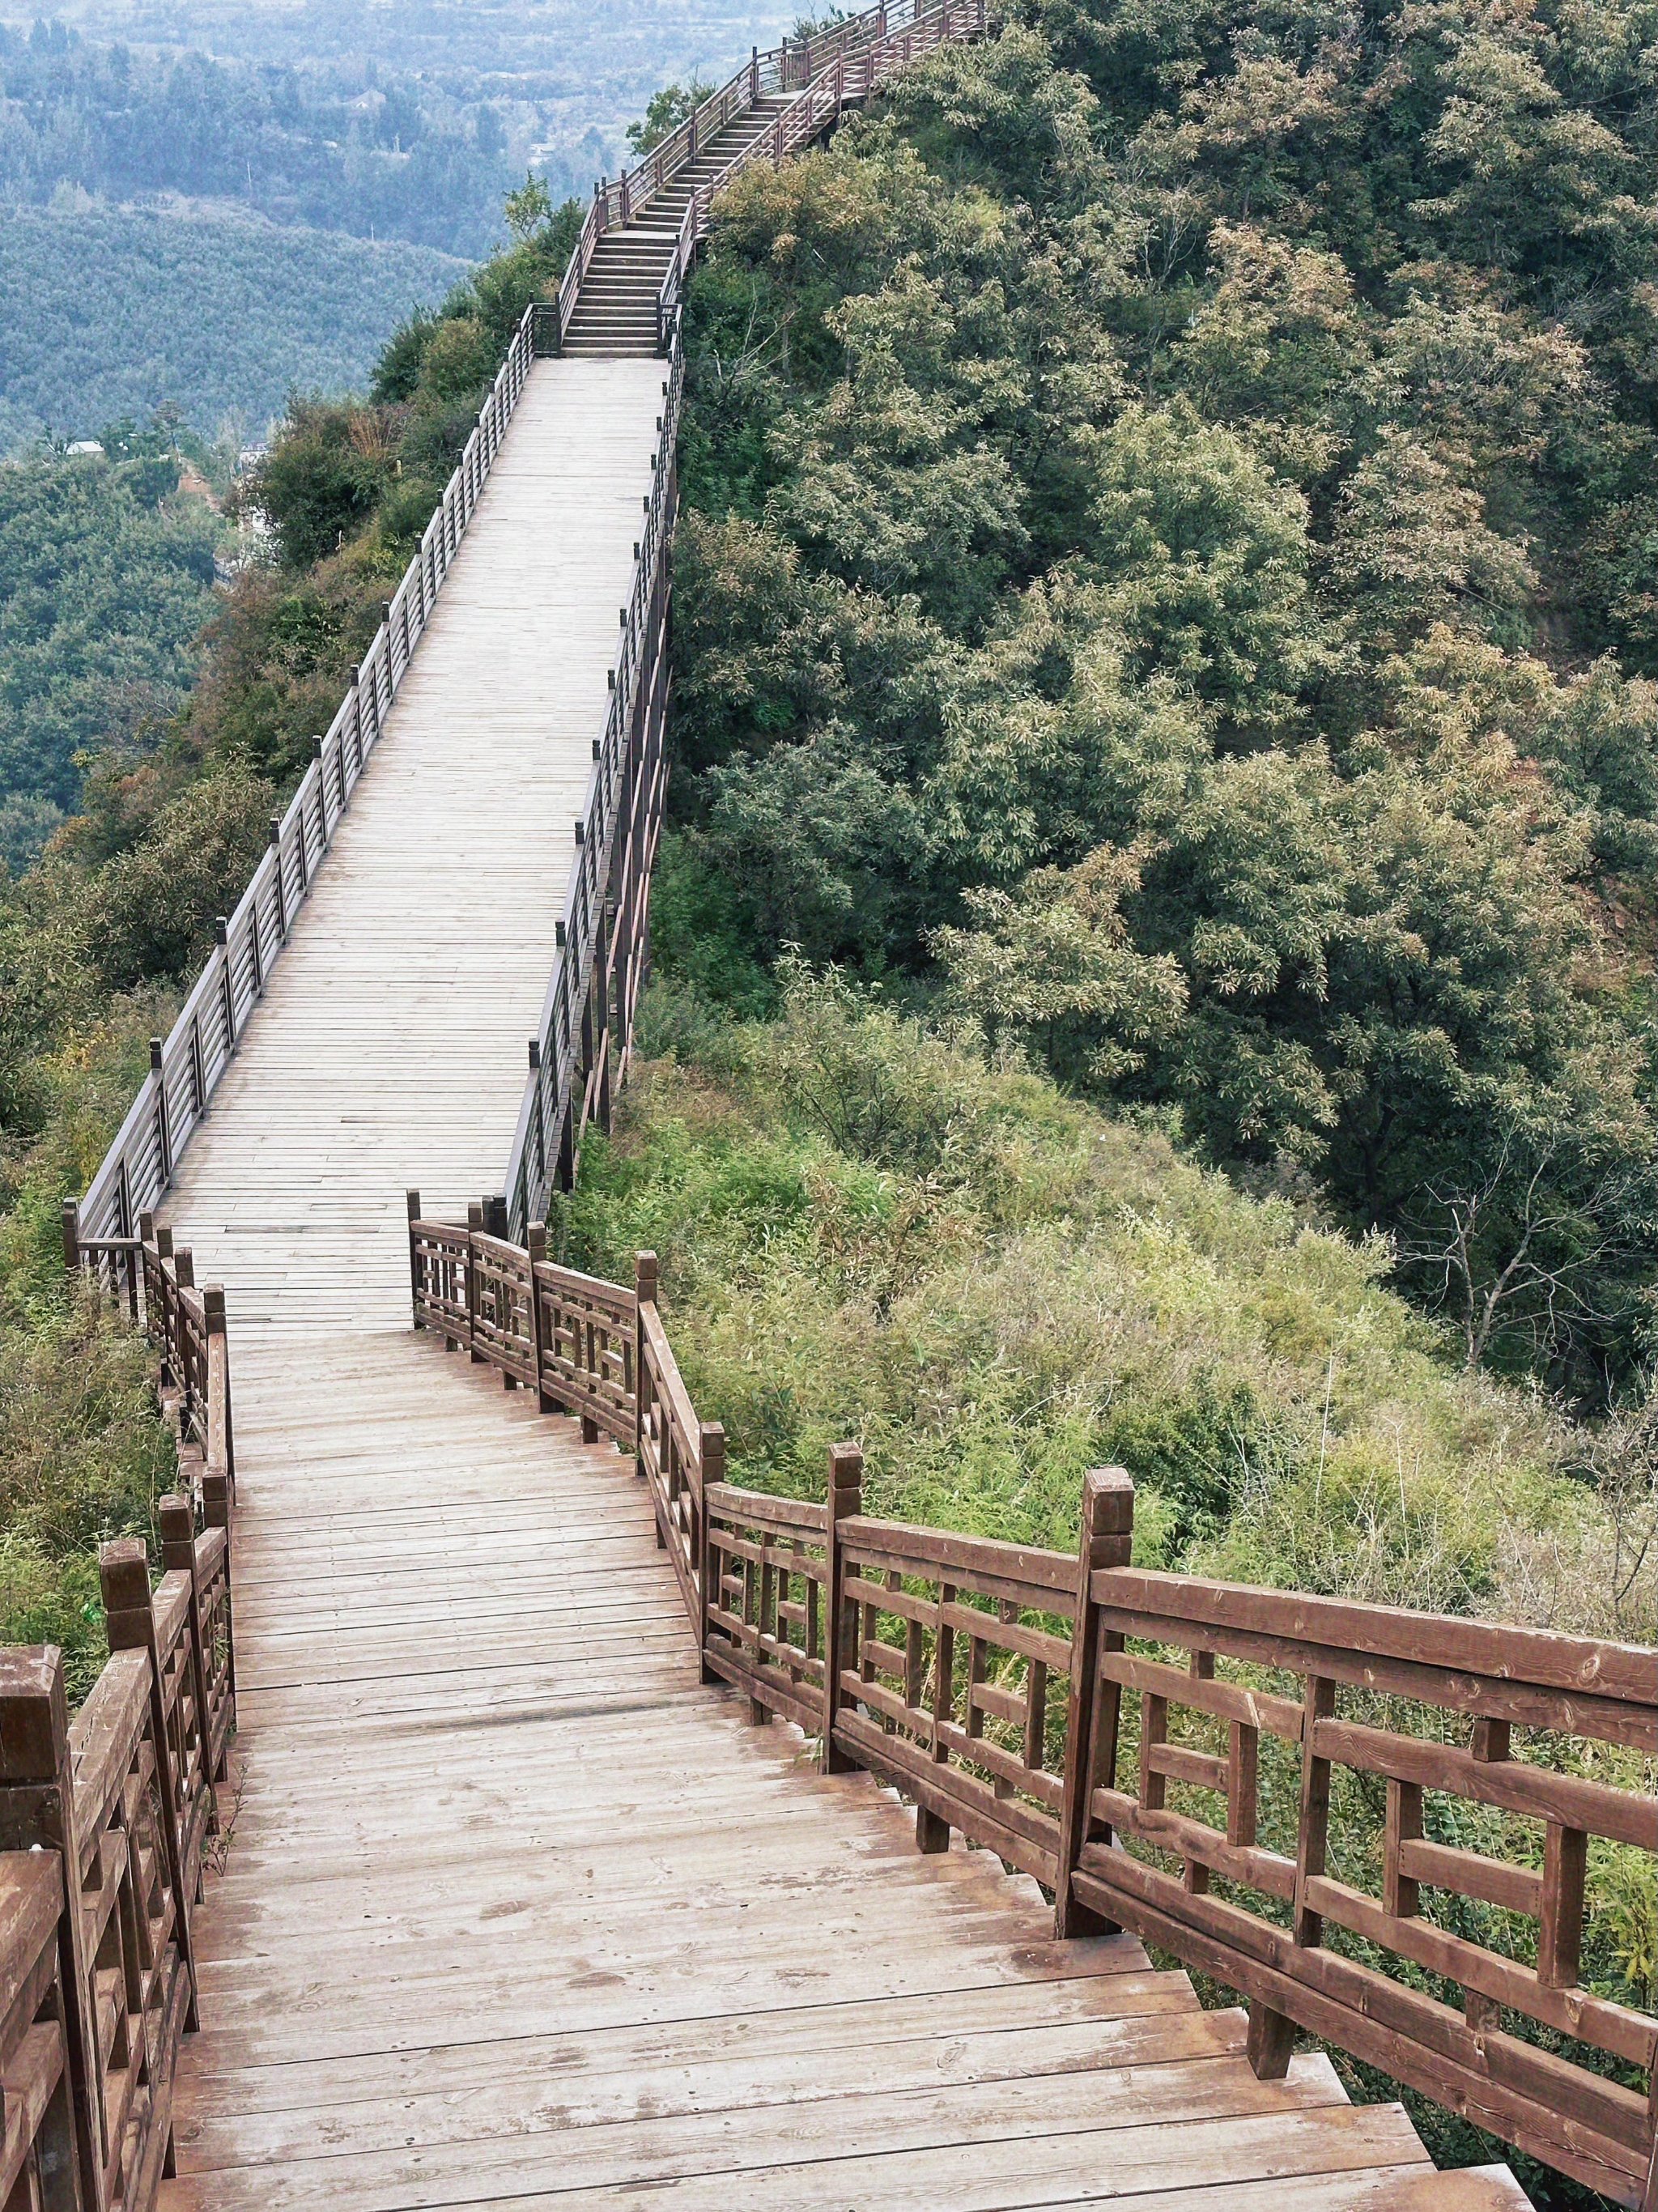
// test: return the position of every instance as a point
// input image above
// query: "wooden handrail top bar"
(1051, 1576)
(171, 1603)
(1522, 1657)
(614, 1297)
(764, 1509)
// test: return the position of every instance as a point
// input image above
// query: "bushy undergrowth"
(872, 1229)
(869, 1229)
(84, 1455)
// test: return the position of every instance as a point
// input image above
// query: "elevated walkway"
(515, 1907)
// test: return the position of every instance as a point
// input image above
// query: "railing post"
(282, 888)
(1272, 2034)
(1105, 1538)
(218, 1356)
(411, 1202)
(494, 1224)
(37, 1813)
(846, 1497)
(474, 1228)
(163, 1120)
(227, 989)
(177, 1526)
(535, 1240)
(710, 1469)
(71, 1226)
(644, 1288)
(130, 1623)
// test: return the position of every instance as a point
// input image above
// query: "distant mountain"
(111, 312)
(409, 118)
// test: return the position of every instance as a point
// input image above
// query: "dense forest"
(1156, 951)
(407, 122)
(374, 154)
(105, 582)
(111, 312)
(1173, 573)
(212, 208)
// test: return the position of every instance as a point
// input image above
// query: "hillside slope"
(108, 311)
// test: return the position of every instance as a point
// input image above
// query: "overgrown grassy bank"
(868, 1228)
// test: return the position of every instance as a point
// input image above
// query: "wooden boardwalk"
(513, 1908)
(515, 1912)
(390, 1050)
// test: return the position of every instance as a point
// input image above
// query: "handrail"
(186, 1067)
(861, 60)
(627, 784)
(1162, 1752)
(106, 1820)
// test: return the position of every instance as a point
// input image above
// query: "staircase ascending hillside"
(615, 311)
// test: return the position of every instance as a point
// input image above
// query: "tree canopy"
(1171, 568)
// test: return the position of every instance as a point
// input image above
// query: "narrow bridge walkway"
(390, 1050)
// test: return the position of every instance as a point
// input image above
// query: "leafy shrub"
(84, 1455)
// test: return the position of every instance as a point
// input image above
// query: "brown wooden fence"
(810, 81)
(106, 1820)
(1378, 1825)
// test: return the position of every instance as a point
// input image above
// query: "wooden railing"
(837, 70)
(1377, 1826)
(186, 1066)
(600, 943)
(583, 1038)
(106, 1820)
(832, 69)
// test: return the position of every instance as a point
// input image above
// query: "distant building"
(85, 446)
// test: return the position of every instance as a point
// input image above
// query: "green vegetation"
(336, 150)
(109, 312)
(105, 581)
(1166, 579)
(84, 1455)
(867, 1228)
(385, 118)
(98, 937)
(1157, 951)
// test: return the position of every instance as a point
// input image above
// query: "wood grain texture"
(515, 1909)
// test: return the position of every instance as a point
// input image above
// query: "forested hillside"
(374, 154)
(106, 311)
(1156, 955)
(97, 938)
(402, 121)
(105, 582)
(1173, 572)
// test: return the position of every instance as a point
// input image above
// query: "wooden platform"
(392, 1047)
(515, 1911)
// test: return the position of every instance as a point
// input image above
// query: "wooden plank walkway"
(513, 1910)
(390, 1050)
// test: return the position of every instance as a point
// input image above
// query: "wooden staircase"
(616, 310)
